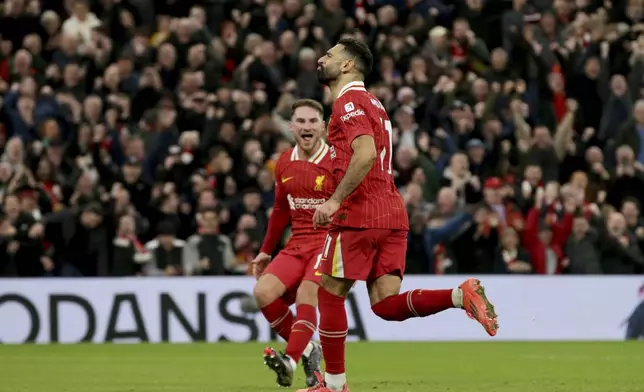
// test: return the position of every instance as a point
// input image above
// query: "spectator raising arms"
(138, 140)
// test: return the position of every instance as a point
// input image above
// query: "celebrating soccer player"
(303, 183)
(367, 239)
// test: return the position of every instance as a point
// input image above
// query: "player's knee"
(383, 310)
(336, 286)
(307, 294)
(265, 293)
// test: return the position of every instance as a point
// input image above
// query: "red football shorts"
(364, 254)
(293, 265)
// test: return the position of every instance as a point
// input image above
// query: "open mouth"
(307, 137)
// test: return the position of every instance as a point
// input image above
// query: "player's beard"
(325, 75)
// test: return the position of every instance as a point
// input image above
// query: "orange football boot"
(321, 386)
(477, 306)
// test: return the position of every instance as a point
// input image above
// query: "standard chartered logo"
(291, 202)
(303, 203)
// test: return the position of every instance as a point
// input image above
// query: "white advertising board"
(209, 309)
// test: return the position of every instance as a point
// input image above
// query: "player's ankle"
(292, 362)
(457, 297)
(335, 382)
(308, 349)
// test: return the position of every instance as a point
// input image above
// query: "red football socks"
(279, 315)
(415, 303)
(333, 330)
(303, 329)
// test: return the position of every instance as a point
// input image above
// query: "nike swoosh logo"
(318, 273)
(286, 179)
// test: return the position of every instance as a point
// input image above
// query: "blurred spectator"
(212, 251)
(510, 257)
(139, 140)
(167, 252)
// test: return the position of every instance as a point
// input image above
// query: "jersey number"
(383, 153)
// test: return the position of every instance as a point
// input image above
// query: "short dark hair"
(308, 103)
(360, 50)
(631, 199)
(216, 151)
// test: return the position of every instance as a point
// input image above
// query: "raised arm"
(565, 129)
(521, 127)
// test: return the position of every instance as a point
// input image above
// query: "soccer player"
(367, 237)
(303, 183)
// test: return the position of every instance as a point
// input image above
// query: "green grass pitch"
(394, 367)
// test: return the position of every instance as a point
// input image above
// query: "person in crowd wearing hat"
(79, 240)
(166, 251)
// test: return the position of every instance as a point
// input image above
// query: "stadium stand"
(139, 137)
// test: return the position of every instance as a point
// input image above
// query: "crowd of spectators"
(139, 137)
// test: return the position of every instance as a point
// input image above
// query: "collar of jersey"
(357, 86)
(316, 157)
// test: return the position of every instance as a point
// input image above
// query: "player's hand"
(324, 213)
(259, 264)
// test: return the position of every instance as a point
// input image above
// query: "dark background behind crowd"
(139, 137)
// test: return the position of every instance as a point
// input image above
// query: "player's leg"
(334, 328)
(338, 278)
(389, 304)
(300, 344)
(282, 274)
(386, 278)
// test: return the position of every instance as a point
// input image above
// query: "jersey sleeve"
(353, 114)
(280, 217)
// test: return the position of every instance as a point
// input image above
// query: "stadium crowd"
(139, 137)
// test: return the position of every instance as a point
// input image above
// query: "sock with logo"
(417, 303)
(333, 334)
(302, 331)
(280, 316)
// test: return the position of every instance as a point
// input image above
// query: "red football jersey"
(376, 202)
(300, 187)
